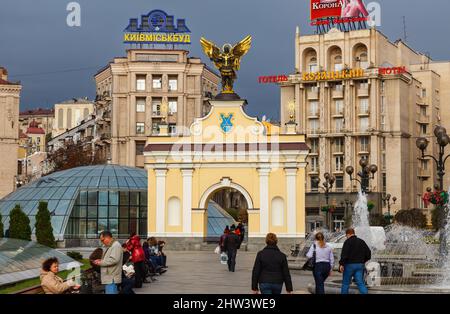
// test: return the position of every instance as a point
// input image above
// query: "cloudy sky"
(55, 62)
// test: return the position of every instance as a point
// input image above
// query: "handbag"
(217, 250)
(311, 262)
(128, 270)
(223, 258)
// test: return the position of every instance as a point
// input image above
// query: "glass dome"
(218, 219)
(21, 260)
(110, 194)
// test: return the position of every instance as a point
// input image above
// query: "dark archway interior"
(233, 202)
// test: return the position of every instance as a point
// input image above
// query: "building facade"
(148, 88)
(357, 95)
(69, 114)
(9, 132)
(43, 117)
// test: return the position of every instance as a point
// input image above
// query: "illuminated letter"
(187, 38)
(374, 9)
(74, 17)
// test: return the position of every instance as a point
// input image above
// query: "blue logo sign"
(226, 124)
(157, 27)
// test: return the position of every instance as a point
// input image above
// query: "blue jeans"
(270, 288)
(111, 288)
(157, 260)
(356, 271)
(321, 272)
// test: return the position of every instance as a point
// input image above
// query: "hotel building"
(358, 95)
(149, 89)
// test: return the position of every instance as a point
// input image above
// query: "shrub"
(75, 255)
(1, 226)
(378, 220)
(43, 226)
(414, 218)
(437, 217)
(19, 224)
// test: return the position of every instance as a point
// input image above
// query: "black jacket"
(355, 251)
(271, 266)
(232, 242)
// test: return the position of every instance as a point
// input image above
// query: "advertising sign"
(157, 27)
(333, 75)
(338, 11)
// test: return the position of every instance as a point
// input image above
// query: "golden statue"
(228, 60)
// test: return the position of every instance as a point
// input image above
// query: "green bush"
(378, 220)
(1, 226)
(75, 255)
(19, 224)
(43, 226)
(437, 217)
(414, 218)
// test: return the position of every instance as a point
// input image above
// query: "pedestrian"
(111, 263)
(241, 231)
(271, 269)
(51, 283)
(137, 257)
(128, 272)
(222, 239)
(324, 264)
(355, 253)
(232, 243)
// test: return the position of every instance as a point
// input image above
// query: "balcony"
(422, 118)
(313, 94)
(423, 173)
(313, 114)
(363, 90)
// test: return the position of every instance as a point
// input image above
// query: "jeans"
(321, 272)
(127, 285)
(356, 271)
(157, 260)
(111, 288)
(139, 274)
(270, 288)
(232, 260)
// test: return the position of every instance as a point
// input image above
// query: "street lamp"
(327, 186)
(366, 174)
(443, 140)
(387, 200)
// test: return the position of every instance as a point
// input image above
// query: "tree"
(1, 226)
(19, 224)
(43, 226)
(414, 218)
(378, 220)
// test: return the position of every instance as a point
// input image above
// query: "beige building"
(70, 113)
(43, 117)
(9, 132)
(149, 89)
(358, 95)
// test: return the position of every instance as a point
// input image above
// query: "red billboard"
(341, 9)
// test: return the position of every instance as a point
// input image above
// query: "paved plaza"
(201, 273)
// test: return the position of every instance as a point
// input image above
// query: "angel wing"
(210, 49)
(241, 49)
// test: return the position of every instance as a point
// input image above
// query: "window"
(314, 126)
(140, 146)
(60, 118)
(423, 129)
(339, 125)
(364, 144)
(157, 81)
(140, 104)
(339, 105)
(339, 163)
(172, 128)
(339, 145)
(314, 146)
(313, 65)
(383, 86)
(424, 164)
(314, 164)
(383, 107)
(313, 108)
(339, 87)
(173, 104)
(339, 183)
(156, 106)
(314, 184)
(155, 128)
(383, 160)
(173, 83)
(364, 106)
(363, 124)
(424, 93)
(383, 182)
(423, 110)
(140, 128)
(140, 82)
(383, 123)
(69, 119)
(338, 66)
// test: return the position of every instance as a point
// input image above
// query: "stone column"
(187, 199)
(264, 199)
(291, 199)
(160, 200)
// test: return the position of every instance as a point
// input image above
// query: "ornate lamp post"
(327, 186)
(366, 174)
(443, 140)
(387, 200)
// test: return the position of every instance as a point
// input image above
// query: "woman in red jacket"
(137, 257)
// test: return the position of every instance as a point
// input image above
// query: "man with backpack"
(231, 244)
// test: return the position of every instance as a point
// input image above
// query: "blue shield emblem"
(226, 124)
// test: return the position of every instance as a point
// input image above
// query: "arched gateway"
(227, 149)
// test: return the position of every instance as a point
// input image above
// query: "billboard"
(339, 11)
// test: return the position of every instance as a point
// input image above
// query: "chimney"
(3, 74)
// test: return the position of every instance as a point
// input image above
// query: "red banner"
(321, 9)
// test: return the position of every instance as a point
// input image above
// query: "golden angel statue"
(228, 60)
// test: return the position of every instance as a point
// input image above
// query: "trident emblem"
(226, 124)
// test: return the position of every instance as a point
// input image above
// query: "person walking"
(271, 269)
(137, 257)
(324, 262)
(231, 244)
(241, 231)
(222, 239)
(355, 253)
(111, 263)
